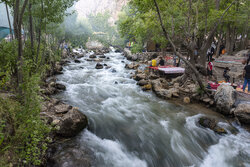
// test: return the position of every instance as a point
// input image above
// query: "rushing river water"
(132, 128)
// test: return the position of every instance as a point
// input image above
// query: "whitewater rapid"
(132, 128)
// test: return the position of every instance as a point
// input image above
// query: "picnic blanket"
(157, 68)
(172, 70)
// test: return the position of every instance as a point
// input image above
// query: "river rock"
(118, 50)
(71, 157)
(99, 66)
(242, 112)
(62, 108)
(139, 77)
(77, 61)
(102, 57)
(225, 98)
(60, 86)
(147, 87)
(132, 66)
(134, 57)
(186, 100)
(211, 124)
(142, 82)
(153, 76)
(72, 123)
(92, 56)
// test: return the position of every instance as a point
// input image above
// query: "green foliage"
(8, 63)
(183, 20)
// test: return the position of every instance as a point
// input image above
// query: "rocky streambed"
(130, 126)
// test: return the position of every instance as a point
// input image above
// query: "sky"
(85, 7)
(3, 16)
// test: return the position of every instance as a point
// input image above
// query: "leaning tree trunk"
(195, 72)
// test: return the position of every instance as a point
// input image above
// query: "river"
(132, 128)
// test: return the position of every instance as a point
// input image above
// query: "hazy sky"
(85, 7)
(3, 16)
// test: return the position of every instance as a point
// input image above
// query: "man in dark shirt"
(246, 75)
(161, 63)
(225, 74)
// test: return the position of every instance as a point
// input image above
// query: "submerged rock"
(77, 61)
(211, 124)
(225, 98)
(242, 112)
(99, 66)
(102, 57)
(92, 56)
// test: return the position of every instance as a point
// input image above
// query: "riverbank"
(226, 100)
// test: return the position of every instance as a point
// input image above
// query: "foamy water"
(132, 128)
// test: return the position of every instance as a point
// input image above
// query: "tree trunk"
(31, 30)
(7, 11)
(196, 73)
(18, 19)
(217, 4)
(209, 40)
(228, 38)
(218, 45)
(39, 34)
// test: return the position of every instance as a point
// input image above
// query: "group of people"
(161, 62)
(246, 72)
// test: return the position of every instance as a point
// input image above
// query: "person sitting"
(210, 66)
(225, 74)
(154, 63)
(162, 62)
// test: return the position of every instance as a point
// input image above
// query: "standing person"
(246, 75)
(225, 74)
(248, 58)
(162, 62)
(210, 66)
(177, 61)
(174, 59)
(213, 47)
(208, 54)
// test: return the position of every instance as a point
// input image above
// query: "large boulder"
(225, 98)
(72, 123)
(160, 91)
(242, 112)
